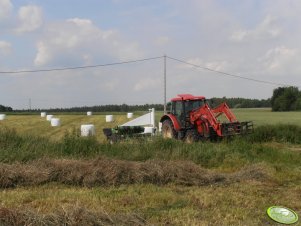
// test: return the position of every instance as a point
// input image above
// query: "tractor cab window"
(169, 107)
(178, 108)
(193, 105)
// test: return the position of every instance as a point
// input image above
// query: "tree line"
(283, 99)
(103, 108)
(237, 102)
(232, 102)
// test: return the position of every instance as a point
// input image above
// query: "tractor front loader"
(192, 119)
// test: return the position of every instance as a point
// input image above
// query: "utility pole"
(164, 84)
(29, 104)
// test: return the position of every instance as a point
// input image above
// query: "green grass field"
(266, 116)
(51, 176)
(35, 125)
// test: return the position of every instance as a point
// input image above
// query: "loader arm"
(224, 109)
(204, 113)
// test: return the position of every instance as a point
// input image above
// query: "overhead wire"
(84, 101)
(80, 67)
(147, 59)
(222, 73)
(226, 73)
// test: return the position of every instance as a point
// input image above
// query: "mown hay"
(68, 216)
(108, 172)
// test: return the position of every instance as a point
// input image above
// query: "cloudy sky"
(257, 39)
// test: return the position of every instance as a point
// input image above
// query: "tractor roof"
(187, 97)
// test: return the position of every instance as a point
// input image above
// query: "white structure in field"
(2, 116)
(49, 117)
(147, 120)
(109, 118)
(87, 130)
(160, 126)
(43, 114)
(149, 129)
(130, 115)
(89, 113)
(55, 122)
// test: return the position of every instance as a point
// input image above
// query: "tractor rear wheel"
(191, 136)
(168, 130)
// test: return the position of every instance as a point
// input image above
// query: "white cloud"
(267, 29)
(80, 22)
(43, 55)
(5, 48)
(112, 85)
(88, 59)
(162, 40)
(31, 18)
(79, 40)
(5, 8)
(239, 35)
(214, 65)
(147, 84)
(280, 59)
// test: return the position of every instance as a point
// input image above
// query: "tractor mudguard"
(173, 119)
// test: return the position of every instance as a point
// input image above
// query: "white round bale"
(43, 114)
(109, 118)
(2, 116)
(49, 117)
(55, 122)
(89, 113)
(87, 130)
(130, 115)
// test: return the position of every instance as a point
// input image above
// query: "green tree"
(5, 109)
(286, 99)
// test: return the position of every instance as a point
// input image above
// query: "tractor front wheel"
(191, 136)
(168, 130)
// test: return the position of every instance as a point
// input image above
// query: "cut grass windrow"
(108, 172)
(72, 215)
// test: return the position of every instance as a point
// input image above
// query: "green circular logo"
(282, 215)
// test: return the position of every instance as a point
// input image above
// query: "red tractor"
(191, 119)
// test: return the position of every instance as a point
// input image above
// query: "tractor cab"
(182, 105)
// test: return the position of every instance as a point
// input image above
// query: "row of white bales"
(86, 129)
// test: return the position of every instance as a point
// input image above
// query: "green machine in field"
(138, 127)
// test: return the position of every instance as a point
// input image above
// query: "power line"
(141, 60)
(80, 67)
(88, 101)
(228, 74)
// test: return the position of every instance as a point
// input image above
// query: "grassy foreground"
(235, 204)
(233, 153)
(79, 181)
(64, 179)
